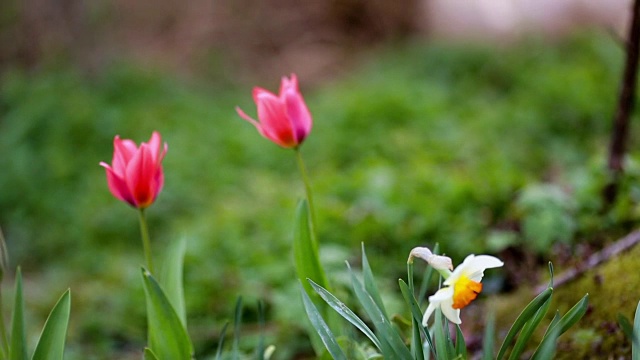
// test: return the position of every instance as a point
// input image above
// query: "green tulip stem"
(146, 244)
(307, 188)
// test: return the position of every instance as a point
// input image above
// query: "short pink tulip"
(135, 175)
(284, 119)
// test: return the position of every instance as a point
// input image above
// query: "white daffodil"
(461, 287)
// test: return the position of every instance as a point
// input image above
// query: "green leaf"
(322, 328)
(260, 348)
(370, 282)
(51, 343)
(489, 333)
(18, 349)
(223, 333)
(559, 327)
(381, 322)
(305, 250)
(573, 315)
(345, 312)
(461, 347)
(547, 347)
(528, 330)
(171, 277)
(416, 314)
(168, 338)
(526, 314)
(442, 348)
(635, 348)
(237, 321)
(149, 355)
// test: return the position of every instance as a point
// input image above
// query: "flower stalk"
(146, 244)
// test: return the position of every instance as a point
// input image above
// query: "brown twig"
(626, 99)
(594, 260)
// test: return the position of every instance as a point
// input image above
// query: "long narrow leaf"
(223, 333)
(557, 328)
(168, 339)
(237, 322)
(329, 341)
(461, 347)
(526, 314)
(528, 330)
(416, 314)
(345, 312)
(260, 347)
(635, 347)
(51, 343)
(149, 355)
(440, 338)
(171, 277)
(489, 333)
(547, 347)
(305, 250)
(381, 322)
(574, 314)
(18, 349)
(370, 283)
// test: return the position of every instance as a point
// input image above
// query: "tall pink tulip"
(283, 119)
(135, 175)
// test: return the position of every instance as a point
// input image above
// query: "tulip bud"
(283, 119)
(135, 175)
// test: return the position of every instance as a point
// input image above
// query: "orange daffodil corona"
(461, 286)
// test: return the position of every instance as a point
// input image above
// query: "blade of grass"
(168, 339)
(321, 327)
(345, 312)
(526, 314)
(489, 333)
(237, 321)
(223, 333)
(370, 283)
(381, 322)
(149, 355)
(171, 277)
(461, 347)
(416, 314)
(635, 348)
(18, 349)
(305, 251)
(51, 343)
(560, 327)
(528, 330)
(442, 348)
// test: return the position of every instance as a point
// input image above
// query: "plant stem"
(307, 188)
(146, 244)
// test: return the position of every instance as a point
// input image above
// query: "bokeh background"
(479, 125)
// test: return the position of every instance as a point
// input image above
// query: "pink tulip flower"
(135, 175)
(283, 119)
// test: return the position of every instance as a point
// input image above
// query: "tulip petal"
(123, 151)
(117, 185)
(297, 112)
(140, 175)
(274, 122)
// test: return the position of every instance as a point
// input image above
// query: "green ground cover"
(474, 147)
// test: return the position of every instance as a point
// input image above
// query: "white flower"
(461, 288)
(436, 261)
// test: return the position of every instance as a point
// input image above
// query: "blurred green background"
(478, 147)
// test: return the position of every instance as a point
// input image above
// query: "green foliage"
(18, 346)
(51, 344)
(168, 338)
(424, 143)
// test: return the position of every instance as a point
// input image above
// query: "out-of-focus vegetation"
(474, 147)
